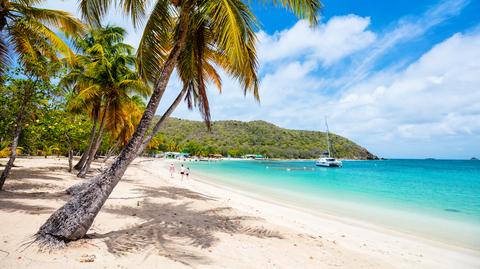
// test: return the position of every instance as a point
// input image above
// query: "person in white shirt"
(171, 169)
(182, 171)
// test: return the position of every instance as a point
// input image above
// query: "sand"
(154, 221)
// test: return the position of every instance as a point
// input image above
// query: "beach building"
(254, 156)
(176, 155)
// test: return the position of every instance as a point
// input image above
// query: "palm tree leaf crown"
(28, 33)
(221, 34)
(105, 80)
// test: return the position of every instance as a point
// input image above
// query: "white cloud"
(435, 97)
(428, 107)
(404, 30)
(328, 43)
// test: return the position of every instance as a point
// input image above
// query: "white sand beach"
(154, 221)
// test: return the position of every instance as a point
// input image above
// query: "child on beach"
(171, 169)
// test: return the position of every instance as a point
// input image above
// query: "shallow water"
(435, 199)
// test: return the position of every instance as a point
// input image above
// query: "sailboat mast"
(328, 138)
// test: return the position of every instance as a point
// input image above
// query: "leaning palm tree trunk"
(16, 137)
(13, 154)
(73, 220)
(85, 154)
(98, 140)
(160, 122)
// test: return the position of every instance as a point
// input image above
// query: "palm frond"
(304, 9)
(57, 43)
(135, 87)
(29, 2)
(61, 20)
(156, 41)
(94, 10)
(233, 29)
(4, 57)
(212, 75)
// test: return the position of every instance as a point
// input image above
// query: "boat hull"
(328, 165)
(322, 164)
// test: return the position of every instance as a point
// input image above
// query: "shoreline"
(151, 220)
(345, 211)
(270, 209)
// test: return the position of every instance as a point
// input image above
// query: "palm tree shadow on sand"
(177, 230)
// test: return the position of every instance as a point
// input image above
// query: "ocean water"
(434, 199)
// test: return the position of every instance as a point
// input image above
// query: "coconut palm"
(124, 130)
(196, 67)
(105, 84)
(26, 33)
(166, 35)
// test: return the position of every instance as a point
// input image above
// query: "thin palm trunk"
(70, 160)
(98, 141)
(70, 153)
(73, 220)
(13, 154)
(16, 135)
(161, 121)
(85, 154)
(112, 150)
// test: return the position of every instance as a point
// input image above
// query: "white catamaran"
(327, 160)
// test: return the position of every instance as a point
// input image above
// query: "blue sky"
(401, 78)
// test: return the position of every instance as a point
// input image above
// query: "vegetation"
(101, 84)
(33, 113)
(105, 86)
(31, 40)
(236, 138)
(30, 34)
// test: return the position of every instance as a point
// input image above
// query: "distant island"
(474, 159)
(237, 138)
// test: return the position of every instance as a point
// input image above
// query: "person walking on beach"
(187, 172)
(171, 169)
(182, 171)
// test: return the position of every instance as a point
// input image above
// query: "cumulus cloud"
(330, 42)
(434, 96)
(429, 106)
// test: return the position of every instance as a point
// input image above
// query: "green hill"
(236, 138)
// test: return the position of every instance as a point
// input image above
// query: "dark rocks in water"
(452, 210)
(474, 159)
(372, 157)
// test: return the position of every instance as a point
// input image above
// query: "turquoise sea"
(434, 199)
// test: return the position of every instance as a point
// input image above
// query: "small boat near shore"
(327, 160)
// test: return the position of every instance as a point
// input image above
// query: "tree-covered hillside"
(236, 138)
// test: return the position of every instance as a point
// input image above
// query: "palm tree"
(166, 35)
(105, 84)
(26, 33)
(195, 66)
